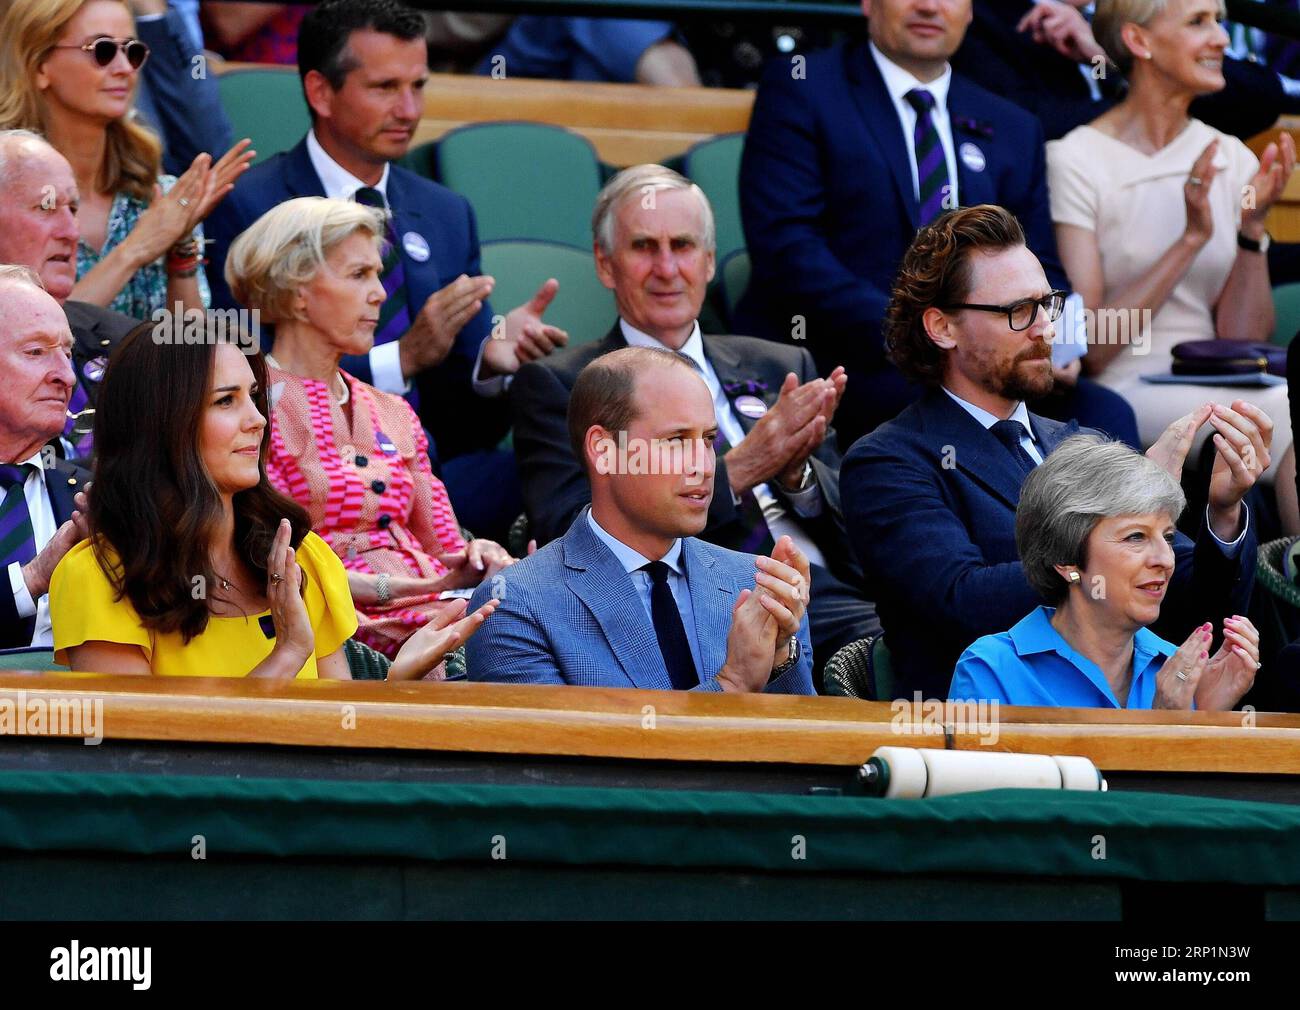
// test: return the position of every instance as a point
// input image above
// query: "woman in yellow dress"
(196, 565)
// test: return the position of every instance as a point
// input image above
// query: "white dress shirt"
(43, 529)
(806, 503)
(1030, 444)
(340, 184)
(678, 582)
(898, 82)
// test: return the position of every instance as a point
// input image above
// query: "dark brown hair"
(605, 390)
(153, 501)
(936, 272)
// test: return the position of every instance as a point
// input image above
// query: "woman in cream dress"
(1160, 217)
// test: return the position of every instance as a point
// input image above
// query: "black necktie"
(669, 629)
(1009, 433)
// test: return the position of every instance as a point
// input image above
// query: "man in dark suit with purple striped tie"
(40, 511)
(849, 152)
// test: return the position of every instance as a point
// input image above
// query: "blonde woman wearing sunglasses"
(69, 69)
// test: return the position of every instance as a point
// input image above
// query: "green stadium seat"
(266, 105)
(29, 659)
(714, 166)
(733, 280)
(525, 180)
(584, 307)
(1286, 306)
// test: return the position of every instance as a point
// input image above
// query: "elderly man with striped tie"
(848, 153)
(41, 512)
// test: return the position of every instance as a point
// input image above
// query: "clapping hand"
(1230, 672)
(526, 336)
(1179, 678)
(448, 629)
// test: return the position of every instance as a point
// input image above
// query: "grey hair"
(1087, 479)
(10, 141)
(20, 274)
(640, 179)
(1111, 16)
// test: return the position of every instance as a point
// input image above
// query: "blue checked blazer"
(570, 614)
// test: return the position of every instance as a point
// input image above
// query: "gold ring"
(276, 579)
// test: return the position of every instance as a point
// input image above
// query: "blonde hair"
(640, 179)
(28, 35)
(1111, 16)
(285, 247)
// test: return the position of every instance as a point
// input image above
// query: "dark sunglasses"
(105, 51)
(1021, 315)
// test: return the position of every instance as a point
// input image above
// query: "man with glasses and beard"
(930, 498)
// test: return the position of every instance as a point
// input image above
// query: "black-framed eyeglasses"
(105, 49)
(1021, 315)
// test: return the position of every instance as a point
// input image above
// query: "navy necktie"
(1009, 433)
(670, 631)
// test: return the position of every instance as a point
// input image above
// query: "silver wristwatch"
(792, 657)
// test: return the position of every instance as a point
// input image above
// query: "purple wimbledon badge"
(751, 406)
(93, 369)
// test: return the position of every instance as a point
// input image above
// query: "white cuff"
(1230, 550)
(492, 387)
(23, 601)
(386, 369)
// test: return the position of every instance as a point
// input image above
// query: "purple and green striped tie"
(933, 184)
(394, 314)
(17, 538)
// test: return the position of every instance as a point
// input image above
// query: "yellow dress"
(82, 609)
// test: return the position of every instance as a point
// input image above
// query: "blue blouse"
(1033, 665)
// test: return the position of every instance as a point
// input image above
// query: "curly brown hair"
(936, 272)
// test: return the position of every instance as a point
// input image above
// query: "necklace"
(340, 399)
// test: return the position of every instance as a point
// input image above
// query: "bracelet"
(382, 591)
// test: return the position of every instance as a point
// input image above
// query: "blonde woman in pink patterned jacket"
(355, 457)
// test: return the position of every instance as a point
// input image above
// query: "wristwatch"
(805, 481)
(1251, 245)
(792, 657)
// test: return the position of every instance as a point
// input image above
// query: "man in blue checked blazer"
(629, 596)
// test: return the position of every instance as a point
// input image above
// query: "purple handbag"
(1227, 357)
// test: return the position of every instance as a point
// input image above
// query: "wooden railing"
(649, 725)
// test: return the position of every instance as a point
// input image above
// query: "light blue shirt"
(1033, 665)
(677, 581)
